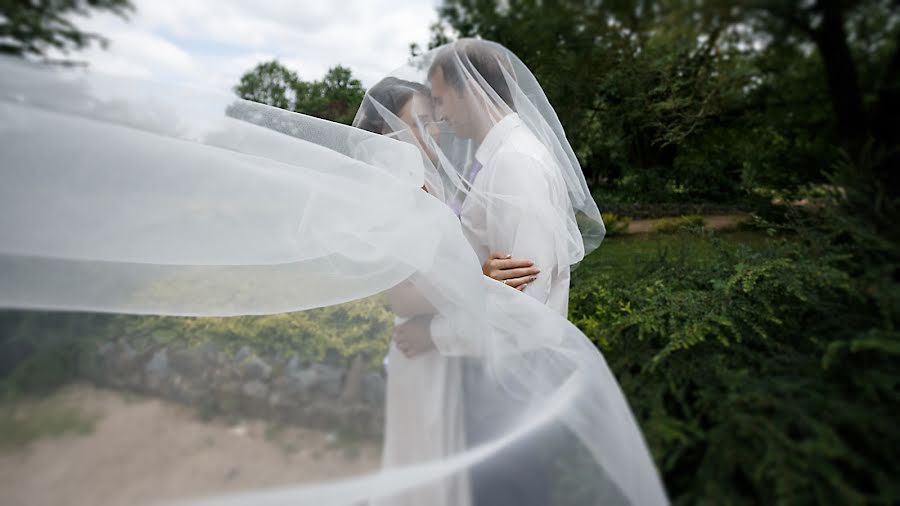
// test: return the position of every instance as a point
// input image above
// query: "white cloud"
(212, 42)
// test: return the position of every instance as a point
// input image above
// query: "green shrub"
(56, 340)
(24, 421)
(361, 327)
(615, 224)
(678, 224)
(40, 348)
(763, 375)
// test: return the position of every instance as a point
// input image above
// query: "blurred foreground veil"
(145, 198)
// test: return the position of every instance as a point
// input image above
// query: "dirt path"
(143, 450)
(712, 222)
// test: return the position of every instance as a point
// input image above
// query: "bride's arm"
(515, 272)
(406, 301)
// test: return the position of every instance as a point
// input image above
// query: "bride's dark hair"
(391, 93)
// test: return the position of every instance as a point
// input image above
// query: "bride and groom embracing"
(496, 155)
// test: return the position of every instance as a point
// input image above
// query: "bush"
(362, 327)
(615, 224)
(681, 223)
(761, 375)
(49, 344)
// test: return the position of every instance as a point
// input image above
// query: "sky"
(210, 43)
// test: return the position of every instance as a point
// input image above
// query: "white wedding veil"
(142, 197)
(482, 84)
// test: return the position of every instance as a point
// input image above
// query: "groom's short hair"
(476, 57)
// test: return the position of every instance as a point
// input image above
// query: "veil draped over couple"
(454, 202)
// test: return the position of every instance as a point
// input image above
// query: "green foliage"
(615, 224)
(34, 28)
(56, 341)
(761, 374)
(336, 97)
(40, 349)
(623, 205)
(631, 83)
(359, 328)
(678, 224)
(704, 101)
(269, 83)
(24, 421)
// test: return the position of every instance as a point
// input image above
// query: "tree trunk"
(887, 109)
(843, 84)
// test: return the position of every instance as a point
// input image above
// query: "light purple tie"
(476, 167)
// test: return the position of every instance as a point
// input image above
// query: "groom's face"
(450, 105)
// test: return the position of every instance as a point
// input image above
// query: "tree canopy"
(33, 28)
(336, 97)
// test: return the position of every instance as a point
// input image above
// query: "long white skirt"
(424, 422)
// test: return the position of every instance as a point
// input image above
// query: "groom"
(471, 94)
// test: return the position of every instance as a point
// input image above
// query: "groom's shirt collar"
(495, 137)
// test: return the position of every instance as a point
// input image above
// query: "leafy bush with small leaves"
(615, 224)
(45, 346)
(678, 224)
(766, 375)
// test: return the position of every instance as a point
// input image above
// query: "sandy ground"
(712, 222)
(143, 450)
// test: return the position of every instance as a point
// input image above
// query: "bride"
(138, 197)
(423, 404)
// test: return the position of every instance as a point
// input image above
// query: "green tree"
(707, 99)
(269, 83)
(32, 28)
(631, 81)
(857, 43)
(336, 97)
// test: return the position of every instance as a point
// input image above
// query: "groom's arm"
(521, 217)
(520, 222)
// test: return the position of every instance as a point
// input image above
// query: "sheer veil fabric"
(141, 197)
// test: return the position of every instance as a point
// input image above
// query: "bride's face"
(418, 113)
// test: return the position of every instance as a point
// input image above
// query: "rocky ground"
(133, 450)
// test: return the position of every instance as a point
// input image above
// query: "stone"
(256, 368)
(328, 379)
(255, 398)
(157, 369)
(188, 361)
(243, 354)
(255, 389)
(373, 389)
(291, 389)
(352, 388)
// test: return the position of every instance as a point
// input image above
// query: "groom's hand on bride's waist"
(515, 272)
(413, 336)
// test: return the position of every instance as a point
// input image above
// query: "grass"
(23, 421)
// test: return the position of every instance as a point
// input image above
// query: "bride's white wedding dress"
(424, 423)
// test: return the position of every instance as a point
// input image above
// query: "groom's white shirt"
(515, 207)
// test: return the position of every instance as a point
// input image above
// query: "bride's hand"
(413, 337)
(515, 272)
